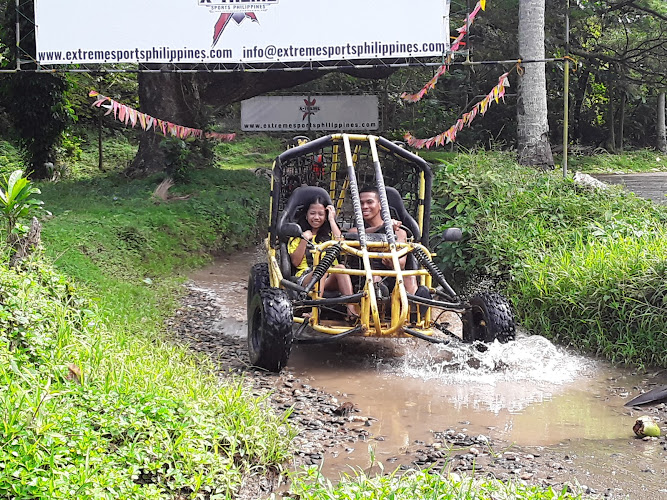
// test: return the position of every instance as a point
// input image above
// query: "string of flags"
(456, 45)
(130, 116)
(480, 108)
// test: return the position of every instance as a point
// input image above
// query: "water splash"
(528, 358)
(496, 376)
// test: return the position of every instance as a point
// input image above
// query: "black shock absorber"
(320, 270)
(434, 271)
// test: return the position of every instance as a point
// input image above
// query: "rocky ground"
(330, 426)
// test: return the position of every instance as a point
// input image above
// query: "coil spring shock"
(320, 270)
(434, 271)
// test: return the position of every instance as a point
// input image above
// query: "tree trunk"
(533, 126)
(188, 98)
(163, 96)
(662, 132)
(611, 125)
(579, 97)
(621, 122)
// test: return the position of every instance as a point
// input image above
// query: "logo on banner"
(309, 109)
(234, 10)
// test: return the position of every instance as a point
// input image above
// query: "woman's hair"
(324, 232)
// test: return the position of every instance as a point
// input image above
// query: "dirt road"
(331, 426)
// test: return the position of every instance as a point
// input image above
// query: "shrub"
(582, 266)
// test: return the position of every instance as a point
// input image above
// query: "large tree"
(621, 46)
(35, 102)
(533, 124)
(190, 99)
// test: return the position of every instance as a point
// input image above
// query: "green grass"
(414, 485)
(12, 158)
(248, 151)
(587, 268)
(150, 420)
(643, 160)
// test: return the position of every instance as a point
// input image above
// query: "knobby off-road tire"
(258, 280)
(270, 333)
(489, 318)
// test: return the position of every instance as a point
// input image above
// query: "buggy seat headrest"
(397, 208)
(297, 202)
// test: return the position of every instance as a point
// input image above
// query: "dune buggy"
(281, 311)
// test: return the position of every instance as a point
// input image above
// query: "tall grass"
(415, 485)
(586, 267)
(95, 401)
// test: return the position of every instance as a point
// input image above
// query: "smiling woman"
(319, 221)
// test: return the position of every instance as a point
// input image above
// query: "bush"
(11, 158)
(97, 403)
(585, 267)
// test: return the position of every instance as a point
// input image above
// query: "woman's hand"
(331, 213)
(307, 235)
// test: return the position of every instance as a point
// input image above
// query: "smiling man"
(371, 212)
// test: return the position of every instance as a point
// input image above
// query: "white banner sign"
(238, 31)
(303, 113)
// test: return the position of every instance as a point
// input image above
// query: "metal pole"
(566, 90)
(18, 37)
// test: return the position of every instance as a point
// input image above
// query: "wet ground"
(525, 410)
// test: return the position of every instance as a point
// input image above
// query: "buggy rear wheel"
(270, 333)
(490, 317)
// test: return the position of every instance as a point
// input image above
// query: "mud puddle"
(541, 412)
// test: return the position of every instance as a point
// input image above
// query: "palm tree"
(533, 127)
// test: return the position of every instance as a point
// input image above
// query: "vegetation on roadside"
(585, 267)
(97, 403)
(93, 409)
(643, 160)
(414, 485)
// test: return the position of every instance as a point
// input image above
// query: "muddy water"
(528, 393)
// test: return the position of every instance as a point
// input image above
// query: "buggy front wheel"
(490, 318)
(270, 329)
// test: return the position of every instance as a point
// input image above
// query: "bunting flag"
(132, 117)
(449, 135)
(456, 45)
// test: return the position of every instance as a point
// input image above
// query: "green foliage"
(148, 419)
(644, 160)
(70, 146)
(16, 201)
(248, 151)
(40, 113)
(184, 156)
(613, 287)
(117, 153)
(585, 267)
(143, 420)
(111, 228)
(11, 158)
(417, 485)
